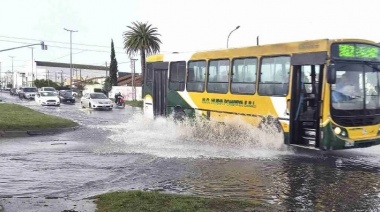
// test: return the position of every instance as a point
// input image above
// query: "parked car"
(73, 92)
(28, 92)
(47, 98)
(13, 92)
(18, 90)
(66, 97)
(49, 89)
(96, 101)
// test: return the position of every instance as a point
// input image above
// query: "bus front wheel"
(270, 124)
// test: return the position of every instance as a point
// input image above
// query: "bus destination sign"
(355, 51)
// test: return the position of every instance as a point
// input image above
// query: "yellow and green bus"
(322, 94)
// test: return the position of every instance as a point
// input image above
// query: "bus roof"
(261, 50)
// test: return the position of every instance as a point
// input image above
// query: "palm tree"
(143, 38)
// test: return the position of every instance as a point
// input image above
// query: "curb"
(10, 134)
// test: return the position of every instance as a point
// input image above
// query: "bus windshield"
(357, 86)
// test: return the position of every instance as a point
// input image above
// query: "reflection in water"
(310, 183)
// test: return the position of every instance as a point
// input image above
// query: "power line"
(6, 59)
(64, 56)
(89, 50)
(80, 44)
(123, 62)
(62, 47)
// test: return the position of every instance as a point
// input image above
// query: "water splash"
(165, 137)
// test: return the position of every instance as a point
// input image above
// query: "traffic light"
(43, 46)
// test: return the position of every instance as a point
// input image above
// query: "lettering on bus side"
(229, 102)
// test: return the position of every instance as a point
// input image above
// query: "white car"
(96, 101)
(47, 98)
(49, 89)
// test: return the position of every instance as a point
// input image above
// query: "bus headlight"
(340, 131)
(337, 130)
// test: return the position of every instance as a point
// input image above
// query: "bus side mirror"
(331, 74)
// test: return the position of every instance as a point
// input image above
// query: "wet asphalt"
(122, 150)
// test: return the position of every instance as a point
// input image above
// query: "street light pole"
(32, 69)
(71, 58)
(133, 78)
(231, 33)
(1, 86)
(13, 77)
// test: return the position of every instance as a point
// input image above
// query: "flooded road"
(121, 150)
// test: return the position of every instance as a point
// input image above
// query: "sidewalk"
(10, 134)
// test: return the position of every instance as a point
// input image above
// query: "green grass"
(15, 117)
(154, 201)
(134, 103)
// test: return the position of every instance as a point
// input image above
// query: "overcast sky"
(185, 25)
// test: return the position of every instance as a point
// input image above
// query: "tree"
(113, 66)
(45, 83)
(80, 85)
(107, 86)
(143, 38)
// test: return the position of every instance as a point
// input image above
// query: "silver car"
(96, 101)
(28, 92)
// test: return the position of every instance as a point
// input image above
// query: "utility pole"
(0, 76)
(106, 69)
(80, 74)
(61, 77)
(32, 69)
(71, 57)
(13, 78)
(1, 85)
(133, 78)
(55, 77)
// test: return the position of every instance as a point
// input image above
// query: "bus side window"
(243, 78)
(218, 71)
(196, 76)
(177, 75)
(274, 76)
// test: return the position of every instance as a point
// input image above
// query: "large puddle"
(122, 150)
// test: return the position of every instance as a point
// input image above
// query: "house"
(126, 89)
(127, 80)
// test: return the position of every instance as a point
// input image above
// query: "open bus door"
(305, 99)
(160, 81)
